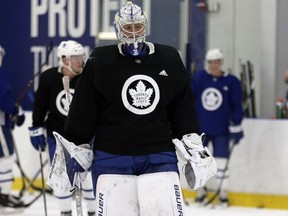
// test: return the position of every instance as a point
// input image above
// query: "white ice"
(37, 209)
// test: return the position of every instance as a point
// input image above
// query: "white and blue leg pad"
(116, 195)
(160, 194)
(146, 195)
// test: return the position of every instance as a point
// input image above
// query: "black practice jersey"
(49, 109)
(133, 107)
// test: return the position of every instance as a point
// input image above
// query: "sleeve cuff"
(235, 129)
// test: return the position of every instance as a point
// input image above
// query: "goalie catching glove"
(201, 166)
(68, 161)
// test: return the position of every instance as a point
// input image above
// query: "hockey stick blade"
(26, 205)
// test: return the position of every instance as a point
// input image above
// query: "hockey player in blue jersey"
(219, 108)
(10, 114)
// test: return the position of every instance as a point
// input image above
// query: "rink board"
(258, 169)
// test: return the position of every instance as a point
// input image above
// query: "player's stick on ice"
(77, 192)
(42, 179)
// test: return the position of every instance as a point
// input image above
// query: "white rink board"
(259, 163)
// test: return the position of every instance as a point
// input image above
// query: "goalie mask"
(73, 51)
(131, 26)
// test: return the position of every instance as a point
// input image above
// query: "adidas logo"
(163, 73)
(225, 88)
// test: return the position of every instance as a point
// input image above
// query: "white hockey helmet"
(2, 53)
(214, 54)
(131, 14)
(67, 49)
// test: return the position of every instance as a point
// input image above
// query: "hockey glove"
(68, 161)
(37, 137)
(236, 133)
(17, 118)
(20, 117)
(9, 121)
(201, 166)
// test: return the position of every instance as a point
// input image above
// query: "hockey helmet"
(131, 14)
(69, 48)
(214, 54)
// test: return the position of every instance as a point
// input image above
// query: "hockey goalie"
(135, 99)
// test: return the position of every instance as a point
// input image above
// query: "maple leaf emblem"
(141, 96)
(211, 99)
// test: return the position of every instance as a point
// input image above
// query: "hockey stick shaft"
(30, 183)
(221, 183)
(42, 179)
(31, 81)
(77, 192)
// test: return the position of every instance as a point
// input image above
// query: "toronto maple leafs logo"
(140, 94)
(211, 99)
(61, 102)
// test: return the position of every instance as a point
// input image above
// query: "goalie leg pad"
(116, 195)
(160, 194)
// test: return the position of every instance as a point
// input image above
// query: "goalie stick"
(221, 182)
(42, 180)
(77, 191)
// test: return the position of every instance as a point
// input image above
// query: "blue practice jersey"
(7, 105)
(218, 102)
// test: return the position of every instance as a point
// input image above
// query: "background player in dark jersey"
(134, 98)
(49, 111)
(10, 114)
(219, 109)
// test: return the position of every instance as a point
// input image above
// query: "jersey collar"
(224, 73)
(150, 45)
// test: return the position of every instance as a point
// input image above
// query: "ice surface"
(37, 209)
